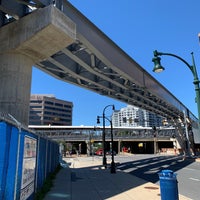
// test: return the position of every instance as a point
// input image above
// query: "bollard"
(168, 185)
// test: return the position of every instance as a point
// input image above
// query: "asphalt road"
(148, 166)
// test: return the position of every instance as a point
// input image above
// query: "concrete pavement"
(84, 178)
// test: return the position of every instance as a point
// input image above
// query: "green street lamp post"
(159, 68)
(112, 167)
(104, 134)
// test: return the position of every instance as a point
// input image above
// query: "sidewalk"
(85, 179)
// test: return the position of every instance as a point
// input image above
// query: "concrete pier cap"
(31, 39)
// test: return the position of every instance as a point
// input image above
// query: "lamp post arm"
(108, 119)
(156, 53)
(106, 107)
(195, 75)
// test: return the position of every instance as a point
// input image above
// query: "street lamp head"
(113, 107)
(98, 120)
(157, 66)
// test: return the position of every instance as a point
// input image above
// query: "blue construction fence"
(26, 159)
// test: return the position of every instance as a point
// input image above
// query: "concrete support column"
(15, 82)
(25, 42)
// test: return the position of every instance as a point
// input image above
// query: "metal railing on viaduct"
(85, 133)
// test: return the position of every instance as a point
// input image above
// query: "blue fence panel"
(48, 157)
(52, 168)
(11, 172)
(25, 161)
(32, 151)
(20, 163)
(27, 165)
(41, 162)
(55, 155)
(5, 132)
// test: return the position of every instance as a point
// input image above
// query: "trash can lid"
(167, 173)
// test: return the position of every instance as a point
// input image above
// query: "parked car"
(99, 152)
(125, 149)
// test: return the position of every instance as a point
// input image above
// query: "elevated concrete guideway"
(62, 42)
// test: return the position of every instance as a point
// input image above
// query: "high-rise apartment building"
(47, 110)
(134, 117)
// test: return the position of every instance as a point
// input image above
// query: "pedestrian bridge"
(88, 133)
(85, 138)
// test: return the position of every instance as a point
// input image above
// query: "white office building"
(134, 117)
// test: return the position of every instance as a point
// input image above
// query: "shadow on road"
(87, 180)
(149, 168)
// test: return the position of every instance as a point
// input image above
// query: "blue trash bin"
(168, 185)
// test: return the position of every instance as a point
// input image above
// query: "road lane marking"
(129, 169)
(124, 165)
(194, 179)
(190, 169)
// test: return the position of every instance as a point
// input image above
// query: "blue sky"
(138, 27)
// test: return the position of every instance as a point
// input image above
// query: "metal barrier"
(26, 159)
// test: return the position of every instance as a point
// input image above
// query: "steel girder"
(96, 63)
